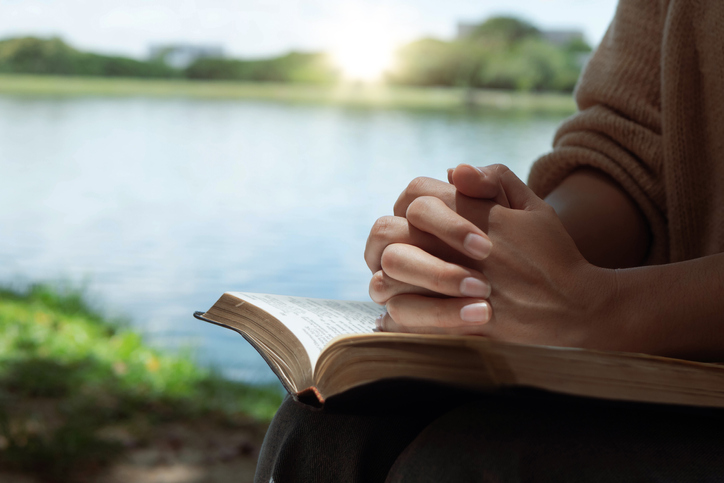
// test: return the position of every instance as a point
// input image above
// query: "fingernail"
(477, 246)
(479, 170)
(475, 313)
(473, 287)
(378, 320)
(450, 170)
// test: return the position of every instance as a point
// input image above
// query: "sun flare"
(363, 58)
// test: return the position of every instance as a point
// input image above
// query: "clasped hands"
(484, 255)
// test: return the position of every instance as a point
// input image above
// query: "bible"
(321, 348)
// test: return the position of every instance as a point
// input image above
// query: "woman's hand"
(542, 290)
(455, 240)
(434, 240)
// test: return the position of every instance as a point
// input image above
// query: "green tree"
(427, 62)
(292, 67)
(502, 53)
(491, 55)
(36, 56)
(31, 55)
(532, 65)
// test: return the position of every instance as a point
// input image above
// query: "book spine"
(310, 396)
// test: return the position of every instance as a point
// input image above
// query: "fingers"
(414, 266)
(496, 180)
(433, 216)
(479, 183)
(383, 288)
(395, 229)
(424, 187)
(417, 313)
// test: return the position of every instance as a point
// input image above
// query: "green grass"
(368, 96)
(67, 374)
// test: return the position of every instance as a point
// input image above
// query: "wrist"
(626, 318)
(669, 310)
(605, 320)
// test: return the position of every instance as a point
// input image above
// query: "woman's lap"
(525, 436)
(355, 438)
(576, 441)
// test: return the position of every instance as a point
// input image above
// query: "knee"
(468, 444)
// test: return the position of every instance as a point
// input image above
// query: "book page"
(317, 321)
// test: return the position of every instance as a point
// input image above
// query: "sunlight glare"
(363, 58)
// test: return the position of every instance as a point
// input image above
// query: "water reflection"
(162, 205)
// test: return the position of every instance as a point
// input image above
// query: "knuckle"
(422, 186)
(390, 259)
(378, 287)
(393, 310)
(382, 228)
(382, 232)
(499, 169)
(419, 207)
(417, 186)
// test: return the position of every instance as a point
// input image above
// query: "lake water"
(157, 206)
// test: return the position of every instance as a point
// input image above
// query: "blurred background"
(155, 154)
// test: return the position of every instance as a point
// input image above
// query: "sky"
(259, 28)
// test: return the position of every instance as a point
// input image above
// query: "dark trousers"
(402, 431)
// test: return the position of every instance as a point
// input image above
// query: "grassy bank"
(83, 399)
(371, 96)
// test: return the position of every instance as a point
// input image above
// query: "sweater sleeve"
(618, 126)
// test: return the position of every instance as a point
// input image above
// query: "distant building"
(562, 37)
(465, 29)
(181, 56)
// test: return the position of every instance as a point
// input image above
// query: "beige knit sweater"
(651, 115)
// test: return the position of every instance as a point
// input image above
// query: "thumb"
(476, 183)
(508, 189)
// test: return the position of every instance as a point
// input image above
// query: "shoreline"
(345, 95)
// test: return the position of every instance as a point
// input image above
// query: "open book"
(319, 348)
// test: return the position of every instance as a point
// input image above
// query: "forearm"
(673, 310)
(608, 227)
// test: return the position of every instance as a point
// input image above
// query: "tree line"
(502, 52)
